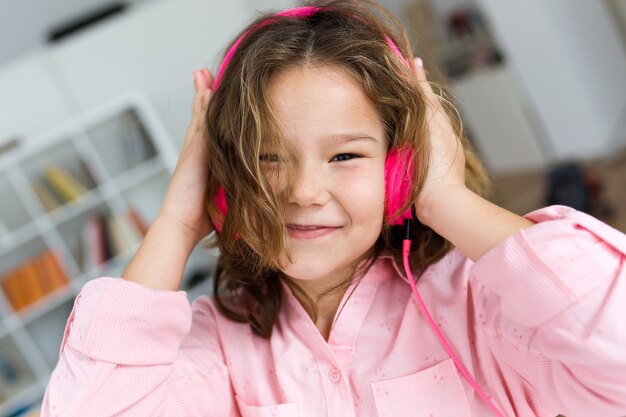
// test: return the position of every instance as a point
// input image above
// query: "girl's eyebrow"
(350, 137)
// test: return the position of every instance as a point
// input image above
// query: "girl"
(336, 178)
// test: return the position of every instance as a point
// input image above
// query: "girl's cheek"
(277, 179)
(372, 176)
(273, 175)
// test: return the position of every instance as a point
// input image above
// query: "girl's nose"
(309, 187)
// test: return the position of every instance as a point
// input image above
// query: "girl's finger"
(200, 102)
(208, 77)
(202, 93)
(203, 79)
(197, 80)
(420, 73)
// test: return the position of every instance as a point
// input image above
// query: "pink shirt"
(539, 321)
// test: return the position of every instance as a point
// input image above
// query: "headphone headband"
(302, 12)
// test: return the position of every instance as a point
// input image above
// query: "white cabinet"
(123, 158)
(500, 123)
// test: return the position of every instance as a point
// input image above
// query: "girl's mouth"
(309, 232)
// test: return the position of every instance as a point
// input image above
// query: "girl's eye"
(346, 156)
(268, 158)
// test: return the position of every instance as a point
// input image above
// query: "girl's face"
(339, 167)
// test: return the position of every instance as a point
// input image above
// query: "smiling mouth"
(309, 232)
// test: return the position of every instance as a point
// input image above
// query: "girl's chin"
(316, 268)
(303, 274)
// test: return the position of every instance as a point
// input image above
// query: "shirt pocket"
(276, 410)
(436, 391)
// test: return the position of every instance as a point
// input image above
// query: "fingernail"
(195, 75)
(419, 62)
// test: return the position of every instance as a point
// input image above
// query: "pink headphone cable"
(406, 248)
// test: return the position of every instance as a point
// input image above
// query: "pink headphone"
(398, 169)
(397, 175)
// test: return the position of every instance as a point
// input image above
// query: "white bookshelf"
(99, 139)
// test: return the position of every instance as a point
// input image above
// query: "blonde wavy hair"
(347, 34)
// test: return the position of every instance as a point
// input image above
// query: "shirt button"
(335, 375)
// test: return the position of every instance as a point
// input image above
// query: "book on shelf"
(119, 242)
(105, 236)
(34, 279)
(57, 271)
(31, 285)
(93, 245)
(63, 183)
(107, 244)
(42, 269)
(46, 196)
(11, 288)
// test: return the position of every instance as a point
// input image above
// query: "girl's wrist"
(471, 223)
(430, 203)
(186, 236)
(160, 261)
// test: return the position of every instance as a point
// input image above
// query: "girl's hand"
(446, 171)
(183, 206)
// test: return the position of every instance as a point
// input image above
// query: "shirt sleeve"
(130, 350)
(560, 287)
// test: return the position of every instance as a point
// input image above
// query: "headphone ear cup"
(222, 207)
(398, 184)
